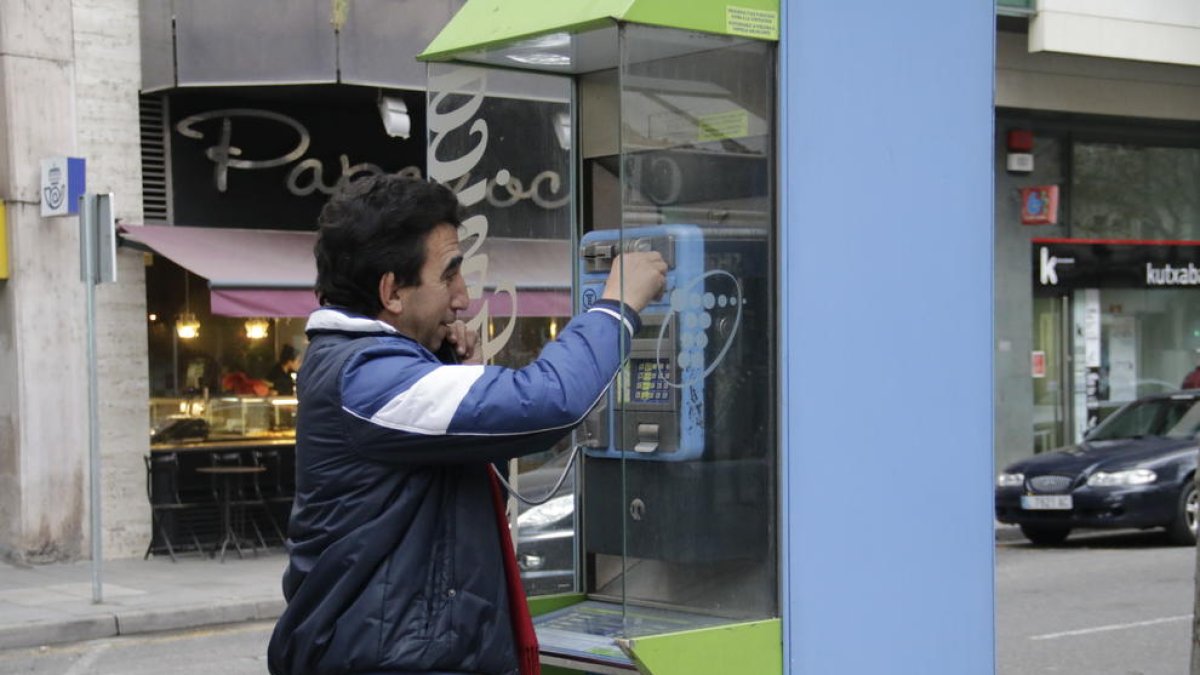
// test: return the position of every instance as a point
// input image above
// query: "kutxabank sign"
(1062, 265)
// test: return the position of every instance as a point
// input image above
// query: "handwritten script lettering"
(308, 175)
(457, 92)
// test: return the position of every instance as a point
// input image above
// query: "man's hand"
(640, 275)
(465, 343)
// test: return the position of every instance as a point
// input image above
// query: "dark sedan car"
(546, 531)
(1135, 470)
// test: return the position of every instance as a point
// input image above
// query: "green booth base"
(753, 647)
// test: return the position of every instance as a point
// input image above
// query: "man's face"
(429, 307)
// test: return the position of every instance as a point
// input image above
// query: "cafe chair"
(167, 510)
(273, 490)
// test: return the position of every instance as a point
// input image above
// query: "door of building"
(1050, 368)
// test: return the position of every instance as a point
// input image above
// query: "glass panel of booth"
(671, 135)
(680, 509)
(501, 140)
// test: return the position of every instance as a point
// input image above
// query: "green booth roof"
(484, 24)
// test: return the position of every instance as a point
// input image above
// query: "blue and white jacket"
(395, 561)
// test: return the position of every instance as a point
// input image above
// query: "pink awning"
(249, 302)
(266, 273)
(271, 273)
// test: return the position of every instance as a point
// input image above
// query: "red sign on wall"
(1039, 205)
(1038, 362)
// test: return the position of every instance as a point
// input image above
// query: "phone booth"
(651, 125)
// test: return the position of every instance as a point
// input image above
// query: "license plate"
(1046, 502)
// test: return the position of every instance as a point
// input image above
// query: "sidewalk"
(48, 604)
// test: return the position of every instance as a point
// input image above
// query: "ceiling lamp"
(256, 329)
(187, 326)
(394, 114)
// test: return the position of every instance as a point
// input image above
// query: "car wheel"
(1182, 530)
(1045, 535)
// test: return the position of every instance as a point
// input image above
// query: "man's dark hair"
(372, 226)
(287, 353)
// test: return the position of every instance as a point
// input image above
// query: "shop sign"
(63, 181)
(239, 161)
(1039, 205)
(1062, 265)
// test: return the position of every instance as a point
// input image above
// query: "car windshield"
(1167, 417)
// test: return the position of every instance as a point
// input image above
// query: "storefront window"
(1121, 191)
(227, 378)
(1148, 343)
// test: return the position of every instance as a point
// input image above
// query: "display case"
(672, 141)
(175, 420)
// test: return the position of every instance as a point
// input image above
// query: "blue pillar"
(886, 263)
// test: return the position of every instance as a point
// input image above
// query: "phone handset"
(448, 354)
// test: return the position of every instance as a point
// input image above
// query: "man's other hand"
(465, 342)
(640, 275)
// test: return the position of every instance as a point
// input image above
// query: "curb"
(140, 620)
(1005, 533)
(133, 621)
(50, 632)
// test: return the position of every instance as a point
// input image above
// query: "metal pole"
(87, 221)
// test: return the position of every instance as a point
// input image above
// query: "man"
(1192, 379)
(396, 562)
(281, 374)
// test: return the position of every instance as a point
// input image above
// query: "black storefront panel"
(1063, 265)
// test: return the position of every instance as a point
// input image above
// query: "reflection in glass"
(501, 141)
(679, 479)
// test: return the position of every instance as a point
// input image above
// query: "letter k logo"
(1047, 272)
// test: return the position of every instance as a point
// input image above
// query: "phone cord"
(554, 490)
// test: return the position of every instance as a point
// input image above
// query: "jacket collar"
(337, 320)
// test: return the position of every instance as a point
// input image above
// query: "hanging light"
(256, 329)
(553, 328)
(187, 326)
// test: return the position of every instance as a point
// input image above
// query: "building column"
(53, 103)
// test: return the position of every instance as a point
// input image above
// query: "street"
(1099, 604)
(229, 650)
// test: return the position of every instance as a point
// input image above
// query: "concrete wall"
(1013, 398)
(1096, 86)
(43, 353)
(108, 75)
(68, 85)
(1163, 31)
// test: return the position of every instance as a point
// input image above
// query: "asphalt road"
(1117, 604)
(1097, 605)
(226, 650)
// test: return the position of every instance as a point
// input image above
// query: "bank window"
(1122, 191)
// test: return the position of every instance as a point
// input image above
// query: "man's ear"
(389, 293)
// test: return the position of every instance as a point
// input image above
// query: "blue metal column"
(886, 185)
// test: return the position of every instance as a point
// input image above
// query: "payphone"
(683, 410)
(671, 145)
(700, 343)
